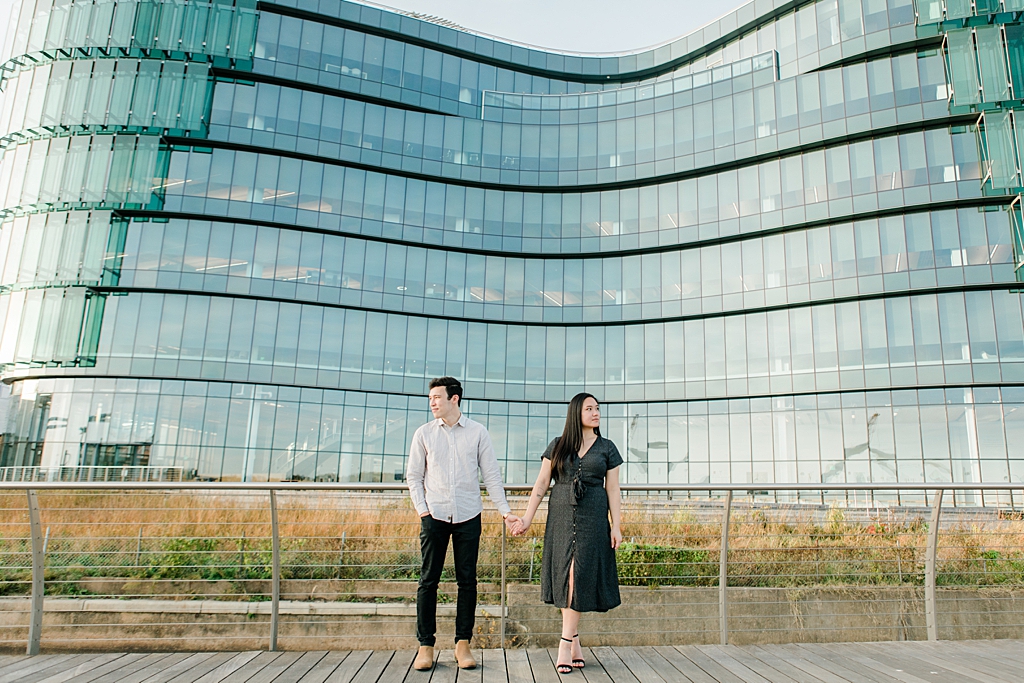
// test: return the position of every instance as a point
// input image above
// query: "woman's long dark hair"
(569, 444)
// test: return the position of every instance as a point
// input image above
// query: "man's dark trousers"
(434, 535)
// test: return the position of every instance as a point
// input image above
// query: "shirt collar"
(461, 422)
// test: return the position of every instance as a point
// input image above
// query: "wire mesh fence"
(326, 566)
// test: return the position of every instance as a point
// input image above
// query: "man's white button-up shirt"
(446, 465)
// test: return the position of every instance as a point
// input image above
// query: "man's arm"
(490, 472)
(415, 473)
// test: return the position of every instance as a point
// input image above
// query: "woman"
(578, 540)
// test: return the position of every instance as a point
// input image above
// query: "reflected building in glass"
(239, 240)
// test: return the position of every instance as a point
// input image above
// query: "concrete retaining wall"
(648, 616)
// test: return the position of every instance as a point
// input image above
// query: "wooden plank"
(349, 668)
(123, 667)
(326, 666)
(664, 668)
(749, 662)
(637, 665)
(683, 665)
(60, 672)
(300, 667)
(251, 668)
(518, 667)
(542, 663)
(373, 667)
(493, 670)
(228, 667)
(796, 669)
(473, 675)
(873, 665)
(723, 658)
(612, 665)
(902, 659)
(593, 672)
(47, 667)
(34, 664)
(163, 673)
(151, 665)
(202, 668)
(829, 660)
(1010, 650)
(274, 668)
(117, 662)
(8, 660)
(717, 672)
(399, 666)
(39, 663)
(444, 669)
(975, 667)
(1009, 654)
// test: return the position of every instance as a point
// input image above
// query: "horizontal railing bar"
(335, 486)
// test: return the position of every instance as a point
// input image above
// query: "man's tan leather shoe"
(424, 658)
(463, 655)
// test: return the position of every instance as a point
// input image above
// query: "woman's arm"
(539, 489)
(611, 486)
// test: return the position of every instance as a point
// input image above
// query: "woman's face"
(591, 414)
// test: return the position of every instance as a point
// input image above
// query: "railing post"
(723, 573)
(930, 564)
(35, 624)
(275, 577)
(504, 543)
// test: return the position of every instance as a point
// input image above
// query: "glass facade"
(240, 241)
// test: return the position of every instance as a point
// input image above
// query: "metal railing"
(119, 473)
(324, 562)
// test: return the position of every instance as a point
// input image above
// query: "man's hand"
(512, 523)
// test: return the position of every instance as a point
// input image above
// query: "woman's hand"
(520, 527)
(616, 537)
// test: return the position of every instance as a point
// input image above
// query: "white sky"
(574, 25)
(577, 25)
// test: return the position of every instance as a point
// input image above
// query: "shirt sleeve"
(415, 473)
(614, 459)
(491, 472)
(550, 450)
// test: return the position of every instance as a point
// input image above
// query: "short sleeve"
(614, 459)
(550, 449)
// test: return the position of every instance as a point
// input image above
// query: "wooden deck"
(909, 662)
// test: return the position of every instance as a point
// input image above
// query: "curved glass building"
(239, 238)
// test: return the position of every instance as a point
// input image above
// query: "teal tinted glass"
(1017, 223)
(992, 60)
(1013, 5)
(999, 137)
(962, 67)
(958, 9)
(1019, 130)
(986, 6)
(929, 11)
(1015, 52)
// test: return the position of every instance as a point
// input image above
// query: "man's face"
(440, 405)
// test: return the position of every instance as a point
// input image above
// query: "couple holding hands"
(449, 457)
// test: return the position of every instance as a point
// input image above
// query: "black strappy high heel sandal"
(578, 663)
(565, 668)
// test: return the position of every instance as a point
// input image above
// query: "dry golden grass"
(376, 537)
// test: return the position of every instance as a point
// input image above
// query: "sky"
(571, 25)
(577, 25)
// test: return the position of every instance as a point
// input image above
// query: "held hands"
(512, 523)
(518, 526)
(616, 538)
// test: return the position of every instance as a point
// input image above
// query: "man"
(448, 458)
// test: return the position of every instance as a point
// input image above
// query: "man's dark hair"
(450, 384)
